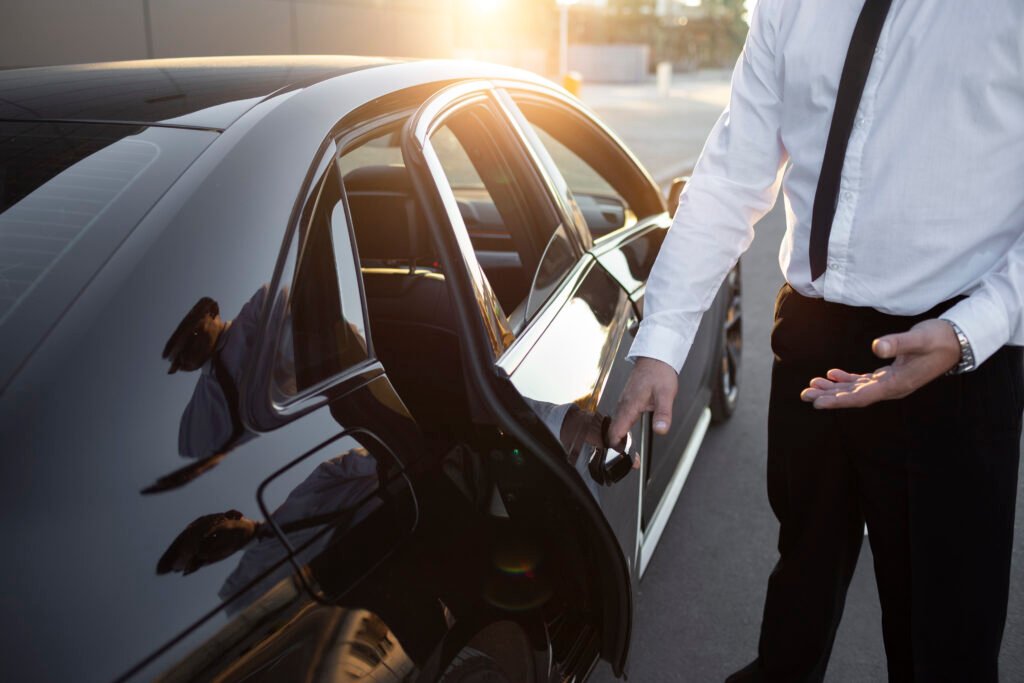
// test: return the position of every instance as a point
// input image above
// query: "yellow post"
(573, 82)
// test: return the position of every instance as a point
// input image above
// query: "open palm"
(919, 355)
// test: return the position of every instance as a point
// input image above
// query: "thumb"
(892, 345)
(662, 421)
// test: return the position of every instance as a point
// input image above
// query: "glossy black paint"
(323, 528)
(196, 93)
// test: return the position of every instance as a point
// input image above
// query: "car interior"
(411, 318)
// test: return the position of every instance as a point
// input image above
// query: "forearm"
(733, 185)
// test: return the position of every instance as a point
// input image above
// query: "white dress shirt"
(931, 200)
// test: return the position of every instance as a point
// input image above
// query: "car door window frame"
(424, 124)
(651, 196)
(259, 410)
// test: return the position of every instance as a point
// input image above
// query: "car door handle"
(634, 325)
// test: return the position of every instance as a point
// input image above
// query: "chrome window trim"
(258, 384)
(552, 95)
(428, 118)
(547, 170)
(422, 125)
(615, 240)
(535, 327)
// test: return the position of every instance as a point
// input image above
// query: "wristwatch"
(966, 363)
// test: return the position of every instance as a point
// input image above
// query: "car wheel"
(474, 666)
(725, 387)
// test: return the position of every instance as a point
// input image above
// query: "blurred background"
(603, 40)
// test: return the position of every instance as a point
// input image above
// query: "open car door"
(484, 332)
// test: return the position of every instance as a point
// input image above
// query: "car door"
(514, 355)
(621, 219)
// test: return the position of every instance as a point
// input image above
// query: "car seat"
(412, 324)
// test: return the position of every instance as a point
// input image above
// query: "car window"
(323, 331)
(381, 148)
(557, 260)
(610, 190)
(69, 196)
(518, 235)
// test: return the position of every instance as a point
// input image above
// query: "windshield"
(69, 195)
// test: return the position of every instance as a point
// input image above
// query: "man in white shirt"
(897, 388)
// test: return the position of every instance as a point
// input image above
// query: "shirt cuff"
(551, 414)
(984, 323)
(661, 343)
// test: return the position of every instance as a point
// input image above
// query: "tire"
(473, 666)
(725, 381)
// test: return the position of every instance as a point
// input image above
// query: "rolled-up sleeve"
(734, 183)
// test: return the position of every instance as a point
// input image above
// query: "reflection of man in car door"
(217, 348)
(337, 485)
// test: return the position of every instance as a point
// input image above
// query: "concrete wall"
(39, 32)
(610, 63)
(56, 31)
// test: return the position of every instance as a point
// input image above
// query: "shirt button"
(878, 51)
(833, 266)
(858, 122)
(847, 196)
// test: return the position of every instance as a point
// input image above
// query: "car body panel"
(187, 92)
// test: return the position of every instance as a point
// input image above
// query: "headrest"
(393, 178)
(386, 218)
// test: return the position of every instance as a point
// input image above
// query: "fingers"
(651, 386)
(626, 415)
(857, 391)
(663, 398)
(914, 340)
(837, 375)
(841, 389)
(860, 396)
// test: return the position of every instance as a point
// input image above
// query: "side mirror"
(673, 193)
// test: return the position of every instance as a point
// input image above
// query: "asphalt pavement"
(698, 611)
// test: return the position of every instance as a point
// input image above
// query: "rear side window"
(70, 193)
(324, 330)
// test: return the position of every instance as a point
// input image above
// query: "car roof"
(205, 92)
(288, 126)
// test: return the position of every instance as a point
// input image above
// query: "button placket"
(850, 181)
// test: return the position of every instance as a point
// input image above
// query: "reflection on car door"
(572, 352)
(327, 515)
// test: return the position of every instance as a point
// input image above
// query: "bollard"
(664, 77)
(573, 82)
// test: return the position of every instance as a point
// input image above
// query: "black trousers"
(934, 476)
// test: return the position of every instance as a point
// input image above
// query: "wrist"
(649, 362)
(965, 362)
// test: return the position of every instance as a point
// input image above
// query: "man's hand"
(924, 352)
(652, 386)
(582, 428)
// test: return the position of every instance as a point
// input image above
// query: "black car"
(303, 363)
